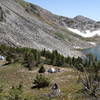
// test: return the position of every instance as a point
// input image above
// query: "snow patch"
(85, 34)
(93, 43)
(76, 47)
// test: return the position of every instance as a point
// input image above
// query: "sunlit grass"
(14, 74)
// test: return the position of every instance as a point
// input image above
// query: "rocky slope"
(28, 25)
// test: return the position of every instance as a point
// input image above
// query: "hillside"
(28, 68)
(28, 25)
(68, 82)
(29, 74)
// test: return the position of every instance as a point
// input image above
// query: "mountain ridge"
(31, 26)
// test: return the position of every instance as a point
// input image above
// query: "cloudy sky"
(71, 8)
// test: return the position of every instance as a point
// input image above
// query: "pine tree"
(42, 69)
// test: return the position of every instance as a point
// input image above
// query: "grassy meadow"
(15, 74)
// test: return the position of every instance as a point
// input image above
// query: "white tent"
(2, 58)
(51, 70)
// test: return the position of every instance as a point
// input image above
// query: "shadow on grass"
(35, 87)
(6, 64)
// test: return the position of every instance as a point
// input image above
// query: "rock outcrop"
(28, 25)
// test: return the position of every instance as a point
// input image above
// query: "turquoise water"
(95, 51)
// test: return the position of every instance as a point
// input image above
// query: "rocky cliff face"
(28, 25)
(82, 23)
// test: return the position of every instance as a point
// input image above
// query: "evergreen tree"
(42, 69)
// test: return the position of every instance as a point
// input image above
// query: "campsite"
(66, 79)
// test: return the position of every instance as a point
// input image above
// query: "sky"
(71, 8)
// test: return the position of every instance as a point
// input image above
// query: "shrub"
(16, 93)
(42, 69)
(91, 84)
(41, 81)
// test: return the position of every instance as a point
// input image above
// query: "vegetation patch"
(22, 3)
(42, 69)
(20, 73)
(60, 35)
(41, 81)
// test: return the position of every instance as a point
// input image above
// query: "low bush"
(42, 69)
(41, 81)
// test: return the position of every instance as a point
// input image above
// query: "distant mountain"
(27, 25)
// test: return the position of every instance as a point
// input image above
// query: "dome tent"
(51, 70)
(2, 57)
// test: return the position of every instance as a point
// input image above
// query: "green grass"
(14, 74)
(60, 35)
(22, 3)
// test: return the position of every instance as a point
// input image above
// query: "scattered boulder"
(55, 91)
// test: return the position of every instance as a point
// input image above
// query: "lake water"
(95, 51)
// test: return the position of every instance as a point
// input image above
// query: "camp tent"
(2, 58)
(51, 70)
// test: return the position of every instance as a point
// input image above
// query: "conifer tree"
(42, 69)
